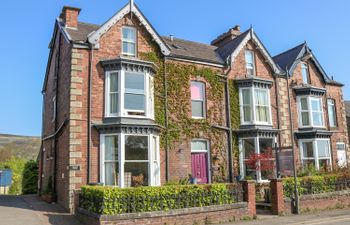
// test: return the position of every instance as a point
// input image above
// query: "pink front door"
(200, 167)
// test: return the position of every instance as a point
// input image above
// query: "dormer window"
(250, 62)
(129, 41)
(305, 73)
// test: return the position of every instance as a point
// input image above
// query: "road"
(29, 210)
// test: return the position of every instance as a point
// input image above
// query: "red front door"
(200, 167)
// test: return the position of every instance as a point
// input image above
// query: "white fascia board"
(94, 37)
(264, 51)
(63, 29)
(252, 36)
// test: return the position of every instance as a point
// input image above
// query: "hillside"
(20, 146)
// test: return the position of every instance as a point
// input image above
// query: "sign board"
(5, 177)
(74, 167)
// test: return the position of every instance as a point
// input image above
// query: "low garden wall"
(323, 201)
(316, 193)
(186, 204)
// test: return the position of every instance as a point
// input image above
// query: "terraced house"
(124, 106)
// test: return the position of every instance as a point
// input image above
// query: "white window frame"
(311, 119)
(54, 109)
(253, 106)
(207, 151)
(257, 151)
(331, 103)
(341, 149)
(154, 179)
(250, 65)
(304, 66)
(203, 101)
(129, 41)
(315, 151)
(145, 90)
(121, 111)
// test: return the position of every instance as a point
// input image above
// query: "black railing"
(164, 202)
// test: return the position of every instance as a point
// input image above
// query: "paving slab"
(30, 210)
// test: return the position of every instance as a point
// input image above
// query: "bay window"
(129, 160)
(129, 41)
(129, 94)
(257, 159)
(310, 111)
(332, 116)
(198, 99)
(255, 106)
(315, 152)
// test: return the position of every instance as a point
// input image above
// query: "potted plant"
(48, 195)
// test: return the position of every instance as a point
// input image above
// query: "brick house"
(124, 106)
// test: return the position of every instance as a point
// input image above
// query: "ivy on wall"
(180, 123)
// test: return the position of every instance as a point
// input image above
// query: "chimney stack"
(69, 16)
(228, 36)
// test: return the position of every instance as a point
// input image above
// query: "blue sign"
(5, 177)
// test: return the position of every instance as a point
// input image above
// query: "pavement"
(30, 210)
(331, 217)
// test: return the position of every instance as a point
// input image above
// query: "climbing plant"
(180, 124)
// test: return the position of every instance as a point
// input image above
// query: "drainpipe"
(88, 161)
(278, 172)
(228, 121)
(296, 193)
(42, 144)
(57, 66)
(166, 121)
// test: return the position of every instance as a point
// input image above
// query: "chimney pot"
(69, 16)
(171, 37)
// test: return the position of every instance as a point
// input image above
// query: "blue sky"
(26, 29)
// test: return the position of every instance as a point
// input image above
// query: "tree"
(30, 178)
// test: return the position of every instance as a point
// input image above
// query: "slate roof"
(227, 49)
(80, 34)
(287, 58)
(193, 50)
(347, 108)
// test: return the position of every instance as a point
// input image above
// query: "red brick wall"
(263, 71)
(62, 98)
(332, 91)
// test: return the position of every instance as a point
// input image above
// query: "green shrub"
(113, 201)
(30, 178)
(313, 184)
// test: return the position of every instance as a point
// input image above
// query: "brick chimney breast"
(69, 16)
(227, 36)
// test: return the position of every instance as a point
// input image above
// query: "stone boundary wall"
(187, 216)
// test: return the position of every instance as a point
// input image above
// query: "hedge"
(112, 201)
(314, 184)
